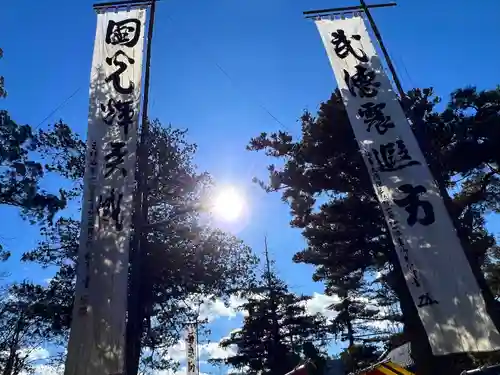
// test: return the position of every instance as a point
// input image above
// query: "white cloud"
(215, 309)
(35, 354)
(49, 370)
(180, 371)
(213, 350)
(319, 304)
(243, 370)
(178, 351)
(236, 330)
(206, 351)
(38, 358)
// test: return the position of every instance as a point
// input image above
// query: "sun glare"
(229, 204)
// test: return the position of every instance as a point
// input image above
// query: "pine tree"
(275, 328)
(26, 312)
(324, 180)
(27, 155)
(182, 257)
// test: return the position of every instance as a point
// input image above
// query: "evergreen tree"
(275, 329)
(26, 312)
(181, 258)
(359, 357)
(26, 156)
(324, 180)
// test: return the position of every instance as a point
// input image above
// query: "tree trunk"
(135, 326)
(350, 328)
(412, 326)
(426, 363)
(13, 347)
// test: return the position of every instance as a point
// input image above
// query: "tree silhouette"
(325, 182)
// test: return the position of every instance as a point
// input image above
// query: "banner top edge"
(116, 5)
(336, 16)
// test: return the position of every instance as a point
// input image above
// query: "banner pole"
(425, 360)
(419, 130)
(420, 347)
(388, 60)
(135, 307)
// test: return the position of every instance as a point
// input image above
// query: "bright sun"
(229, 204)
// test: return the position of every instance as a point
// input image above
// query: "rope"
(228, 76)
(59, 107)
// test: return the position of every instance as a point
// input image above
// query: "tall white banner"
(192, 350)
(97, 337)
(438, 275)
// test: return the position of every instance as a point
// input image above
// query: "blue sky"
(218, 68)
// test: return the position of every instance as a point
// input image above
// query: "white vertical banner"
(437, 272)
(97, 336)
(192, 350)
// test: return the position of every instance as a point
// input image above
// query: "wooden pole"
(420, 346)
(136, 309)
(388, 60)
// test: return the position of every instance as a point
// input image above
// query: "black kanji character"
(191, 367)
(110, 208)
(411, 203)
(426, 300)
(414, 276)
(115, 158)
(389, 161)
(363, 81)
(122, 67)
(374, 117)
(342, 46)
(124, 33)
(118, 110)
(87, 273)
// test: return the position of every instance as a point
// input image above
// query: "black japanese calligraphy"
(114, 159)
(342, 46)
(120, 112)
(110, 208)
(374, 117)
(93, 160)
(363, 80)
(414, 276)
(115, 77)
(426, 300)
(123, 33)
(402, 245)
(388, 160)
(87, 270)
(191, 367)
(93, 153)
(412, 203)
